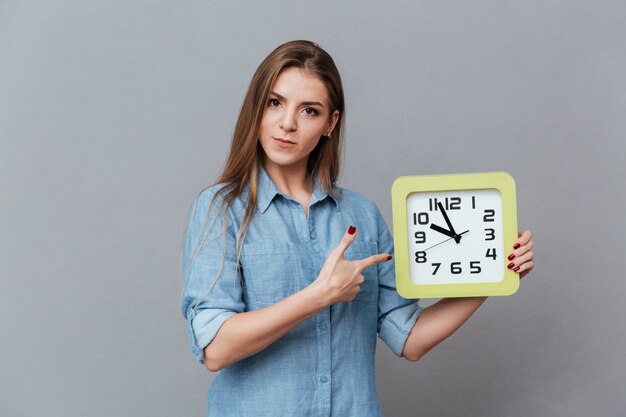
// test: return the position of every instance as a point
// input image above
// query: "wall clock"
(452, 234)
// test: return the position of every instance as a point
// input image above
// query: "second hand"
(445, 241)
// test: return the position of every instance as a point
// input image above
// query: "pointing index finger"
(373, 260)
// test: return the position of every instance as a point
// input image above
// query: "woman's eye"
(311, 111)
(273, 102)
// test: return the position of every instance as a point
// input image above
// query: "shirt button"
(313, 235)
(323, 327)
(323, 380)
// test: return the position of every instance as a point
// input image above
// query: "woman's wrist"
(317, 296)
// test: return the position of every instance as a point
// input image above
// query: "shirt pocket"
(270, 272)
(369, 288)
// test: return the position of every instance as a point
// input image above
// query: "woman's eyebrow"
(304, 103)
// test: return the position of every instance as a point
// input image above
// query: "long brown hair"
(246, 154)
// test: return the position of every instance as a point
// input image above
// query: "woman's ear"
(332, 121)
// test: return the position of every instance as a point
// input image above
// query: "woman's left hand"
(522, 257)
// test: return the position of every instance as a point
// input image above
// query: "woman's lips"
(284, 143)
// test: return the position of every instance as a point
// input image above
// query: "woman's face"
(296, 115)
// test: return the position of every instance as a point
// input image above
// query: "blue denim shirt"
(325, 365)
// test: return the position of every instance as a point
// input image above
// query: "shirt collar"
(267, 190)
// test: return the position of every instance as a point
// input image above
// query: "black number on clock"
(421, 218)
(420, 237)
(436, 265)
(455, 268)
(433, 204)
(491, 234)
(473, 201)
(450, 203)
(420, 257)
(491, 253)
(489, 215)
(475, 267)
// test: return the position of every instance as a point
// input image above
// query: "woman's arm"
(442, 319)
(245, 334)
(437, 323)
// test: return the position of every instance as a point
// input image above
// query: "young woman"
(289, 278)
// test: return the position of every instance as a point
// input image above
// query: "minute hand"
(457, 238)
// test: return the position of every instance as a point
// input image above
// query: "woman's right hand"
(340, 279)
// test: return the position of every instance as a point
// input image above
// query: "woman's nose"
(288, 121)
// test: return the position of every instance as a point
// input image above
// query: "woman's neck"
(292, 181)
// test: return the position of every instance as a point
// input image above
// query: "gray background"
(113, 115)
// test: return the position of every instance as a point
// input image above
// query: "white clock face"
(455, 236)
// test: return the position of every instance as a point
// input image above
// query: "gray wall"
(113, 115)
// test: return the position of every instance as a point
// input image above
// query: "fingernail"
(511, 257)
(389, 257)
(516, 269)
(351, 230)
(511, 265)
(517, 245)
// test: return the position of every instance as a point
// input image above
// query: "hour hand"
(442, 230)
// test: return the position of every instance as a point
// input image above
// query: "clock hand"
(445, 216)
(459, 235)
(442, 230)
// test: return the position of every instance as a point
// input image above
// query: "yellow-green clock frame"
(404, 186)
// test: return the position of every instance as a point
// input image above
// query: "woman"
(289, 278)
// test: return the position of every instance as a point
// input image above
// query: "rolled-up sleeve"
(212, 291)
(396, 314)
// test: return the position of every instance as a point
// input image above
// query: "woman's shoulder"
(210, 198)
(352, 199)
(203, 199)
(209, 207)
(210, 192)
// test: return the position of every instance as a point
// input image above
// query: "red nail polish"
(351, 230)
(511, 257)
(389, 257)
(516, 269)
(511, 265)
(517, 245)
